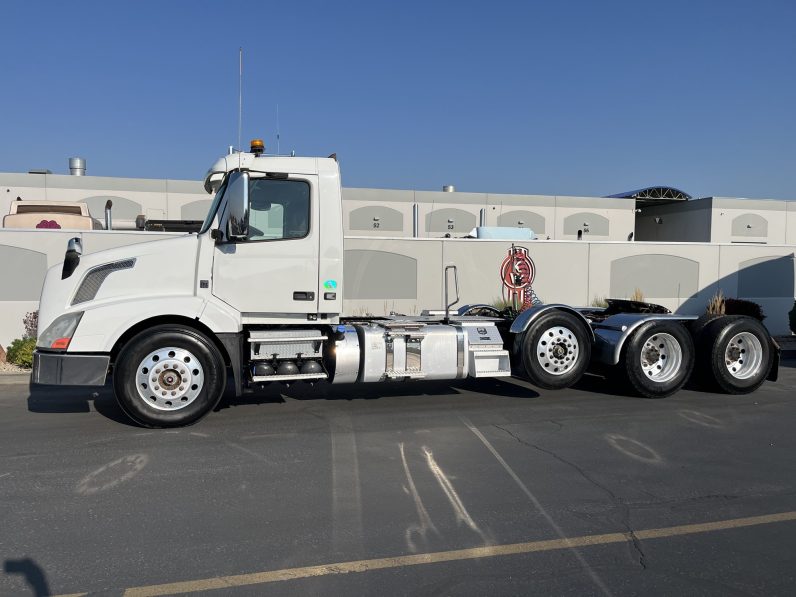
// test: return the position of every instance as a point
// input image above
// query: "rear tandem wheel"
(736, 354)
(658, 358)
(556, 350)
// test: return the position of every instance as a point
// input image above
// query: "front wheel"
(556, 350)
(659, 358)
(169, 376)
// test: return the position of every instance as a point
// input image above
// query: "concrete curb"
(7, 379)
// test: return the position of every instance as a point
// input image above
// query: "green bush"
(20, 352)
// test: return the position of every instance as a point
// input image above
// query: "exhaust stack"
(77, 166)
(108, 218)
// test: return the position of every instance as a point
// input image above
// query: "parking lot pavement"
(487, 487)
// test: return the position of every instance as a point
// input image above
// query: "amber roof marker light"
(257, 147)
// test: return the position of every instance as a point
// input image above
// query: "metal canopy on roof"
(658, 192)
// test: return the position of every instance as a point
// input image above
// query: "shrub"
(741, 307)
(502, 304)
(637, 296)
(599, 301)
(716, 306)
(31, 323)
(20, 352)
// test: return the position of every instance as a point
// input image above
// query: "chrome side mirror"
(236, 226)
(75, 244)
(74, 249)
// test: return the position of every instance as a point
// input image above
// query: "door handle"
(303, 296)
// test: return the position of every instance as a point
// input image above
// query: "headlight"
(59, 333)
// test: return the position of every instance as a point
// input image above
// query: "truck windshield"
(211, 214)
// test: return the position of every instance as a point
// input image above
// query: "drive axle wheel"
(169, 376)
(738, 353)
(659, 358)
(556, 350)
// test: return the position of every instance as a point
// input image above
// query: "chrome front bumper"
(64, 369)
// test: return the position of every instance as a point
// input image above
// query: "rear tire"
(659, 358)
(556, 350)
(169, 376)
(737, 354)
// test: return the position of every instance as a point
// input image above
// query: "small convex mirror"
(237, 226)
(75, 244)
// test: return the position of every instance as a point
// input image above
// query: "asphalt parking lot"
(481, 488)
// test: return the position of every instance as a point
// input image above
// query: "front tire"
(556, 350)
(169, 376)
(659, 358)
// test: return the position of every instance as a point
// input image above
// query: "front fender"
(103, 325)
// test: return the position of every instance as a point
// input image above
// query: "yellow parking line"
(240, 580)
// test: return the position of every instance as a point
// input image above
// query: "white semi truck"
(257, 294)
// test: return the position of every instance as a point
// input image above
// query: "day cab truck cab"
(258, 294)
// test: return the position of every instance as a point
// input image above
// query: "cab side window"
(278, 209)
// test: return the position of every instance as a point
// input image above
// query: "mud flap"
(776, 352)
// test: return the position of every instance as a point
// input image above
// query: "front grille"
(92, 281)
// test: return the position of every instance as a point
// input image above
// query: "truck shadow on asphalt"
(278, 393)
(60, 399)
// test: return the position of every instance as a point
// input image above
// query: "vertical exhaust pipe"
(77, 166)
(415, 220)
(108, 218)
(482, 217)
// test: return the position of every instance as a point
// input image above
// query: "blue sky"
(570, 97)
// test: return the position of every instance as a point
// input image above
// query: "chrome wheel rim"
(661, 357)
(169, 378)
(743, 356)
(557, 350)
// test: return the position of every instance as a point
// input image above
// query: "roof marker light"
(257, 146)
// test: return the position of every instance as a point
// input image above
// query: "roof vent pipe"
(77, 166)
(108, 215)
(449, 188)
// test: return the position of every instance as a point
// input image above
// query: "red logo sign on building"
(517, 273)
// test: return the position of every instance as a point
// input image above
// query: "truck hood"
(156, 268)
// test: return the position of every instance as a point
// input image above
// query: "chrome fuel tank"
(410, 350)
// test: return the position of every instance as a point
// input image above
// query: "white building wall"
(748, 221)
(607, 219)
(790, 226)
(510, 210)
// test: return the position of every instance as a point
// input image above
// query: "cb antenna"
(240, 95)
(277, 129)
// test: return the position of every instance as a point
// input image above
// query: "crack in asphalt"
(617, 500)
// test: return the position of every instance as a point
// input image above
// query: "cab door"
(273, 270)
